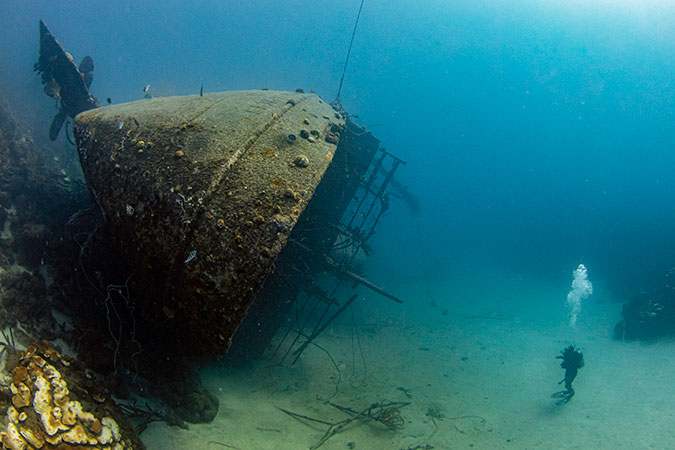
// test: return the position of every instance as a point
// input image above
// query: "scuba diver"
(572, 361)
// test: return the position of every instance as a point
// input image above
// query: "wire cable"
(349, 52)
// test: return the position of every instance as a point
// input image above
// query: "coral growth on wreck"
(55, 404)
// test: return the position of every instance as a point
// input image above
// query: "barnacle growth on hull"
(243, 199)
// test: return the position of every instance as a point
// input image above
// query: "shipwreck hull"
(310, 243)
(203, 193)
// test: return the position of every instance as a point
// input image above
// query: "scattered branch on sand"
(222, 445)
(479, 418)
(301, 417)
(386, 413)
(435, 412)
(420, 447)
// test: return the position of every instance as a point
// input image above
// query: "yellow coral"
(12, 439)
(63, 421)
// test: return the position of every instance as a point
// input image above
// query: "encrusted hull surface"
(203, 192)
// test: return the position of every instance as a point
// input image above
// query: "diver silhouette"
(572, 361)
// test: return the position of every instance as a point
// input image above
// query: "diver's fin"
(564, 397)
(87, 70)
(57, 123)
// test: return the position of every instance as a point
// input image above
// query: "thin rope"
(425, 265)
(349, 52)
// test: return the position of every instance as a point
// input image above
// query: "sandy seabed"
(485, 372)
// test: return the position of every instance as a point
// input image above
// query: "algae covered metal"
(65, 82)
(203, 192)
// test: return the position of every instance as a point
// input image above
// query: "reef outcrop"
(650, 314)
(52, 402)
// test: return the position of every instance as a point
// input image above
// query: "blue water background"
(538, 135)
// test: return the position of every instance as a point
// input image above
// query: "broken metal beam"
(339, 270)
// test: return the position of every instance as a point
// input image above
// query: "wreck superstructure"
(227, 205)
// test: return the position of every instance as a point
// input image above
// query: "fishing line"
(349, 52)
(425, 265)
(71, 141)
(355, 332)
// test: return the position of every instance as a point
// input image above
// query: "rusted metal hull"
(203, 193)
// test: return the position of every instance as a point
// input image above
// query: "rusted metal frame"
(341, 270)
(289, 329)
(305, 275)
(298, 334)
(361, 238)
(348, 242)
(367, 184)
(377, 197)
(346, 229)
(319, 330)
(311, 313)
(385, 207)
(323, 315)
(382, 189)
(321, 323)
(307, 320)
